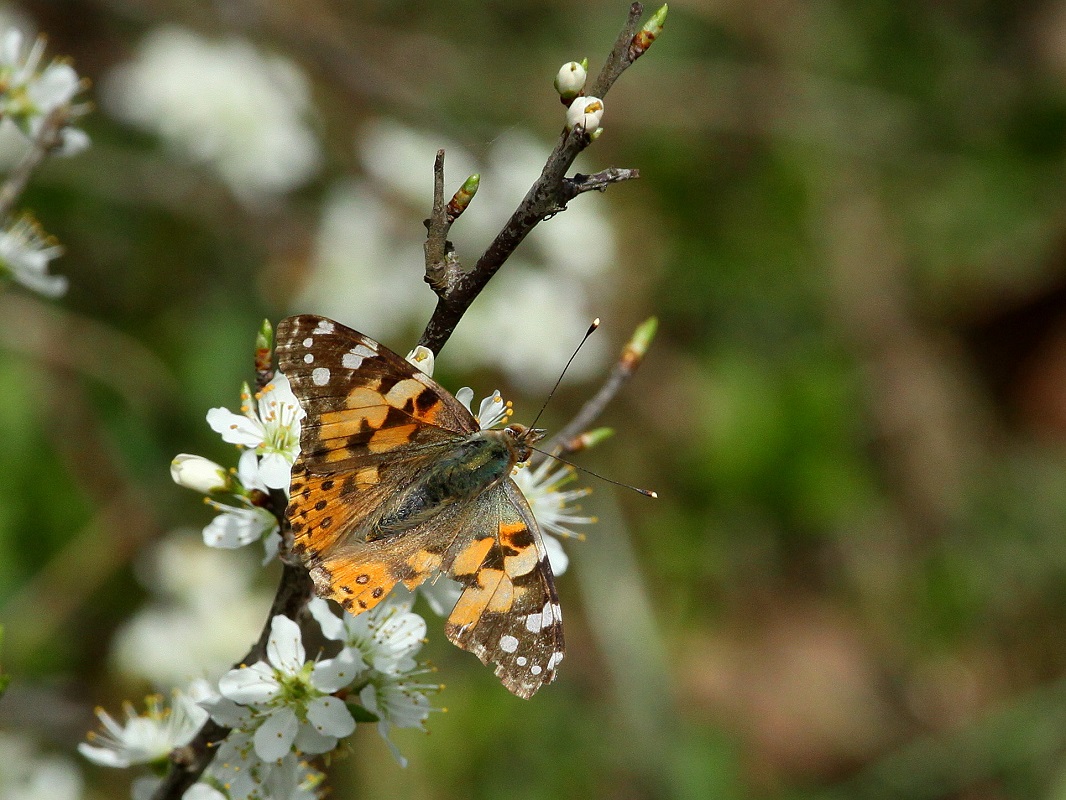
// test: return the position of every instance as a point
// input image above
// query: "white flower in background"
(400, 159)
(272, 428)
(365, 263)
(147, 738)
(292, 697)
(180, 633)
(27, 775)
(24, 255)
(224, 104)
(29, 94)
(551, 505)
(586, 112)
(493, 334)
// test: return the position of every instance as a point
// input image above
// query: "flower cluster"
(29, 95)
(286, 708)
(269, 429)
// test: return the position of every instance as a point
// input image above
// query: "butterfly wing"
(373, 421)
(508, 613)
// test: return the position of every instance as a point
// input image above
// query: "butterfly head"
(523, 438)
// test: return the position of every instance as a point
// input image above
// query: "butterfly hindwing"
(508, 613)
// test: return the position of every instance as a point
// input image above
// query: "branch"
(48, 139)
(547, 196)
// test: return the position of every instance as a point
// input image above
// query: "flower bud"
(199, 474)
(422, 358)
(571, 79)
(586, 112)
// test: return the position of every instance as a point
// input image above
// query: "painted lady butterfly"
(397, 482)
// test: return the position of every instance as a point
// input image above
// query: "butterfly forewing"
(374, 424)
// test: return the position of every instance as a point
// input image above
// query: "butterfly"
(397, 482)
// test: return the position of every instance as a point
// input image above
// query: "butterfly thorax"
(479, 462)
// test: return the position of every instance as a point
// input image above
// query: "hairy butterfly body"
(396, 482)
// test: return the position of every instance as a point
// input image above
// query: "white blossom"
(24, 255)
(144, 738)
(271, 428)
(292, 697)
(221, 103)
(25, 774)
(385, 638)
(28, 94)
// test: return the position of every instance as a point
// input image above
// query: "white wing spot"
(353, 359)
(521, 661)
(308, 358)
(533, 623)
(508, 644)
(320, 376)
(536, 669)
(553, 662)
(324, 326)
(308, 341)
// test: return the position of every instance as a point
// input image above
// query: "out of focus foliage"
(851, 223)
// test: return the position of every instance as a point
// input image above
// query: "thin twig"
(547, 196)
(566, 440)
(437, 234)
(597, 182)
(48, 139)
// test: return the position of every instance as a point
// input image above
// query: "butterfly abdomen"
(479, 463)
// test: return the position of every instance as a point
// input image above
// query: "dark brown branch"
(597, 182)
(548, 195)
(189, 762)
(47, 140)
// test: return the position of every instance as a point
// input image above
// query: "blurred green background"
(851, 223)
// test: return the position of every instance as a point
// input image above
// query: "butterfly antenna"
(638, 490)
(595, 324)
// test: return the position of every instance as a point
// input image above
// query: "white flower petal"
(226, 712)
(330, 716)
(202, 791)
(255, 684)
(273, 739)
(332, 626)
(557, 557)
(335, 673)
(311, 742)
(275, 470)
(285, 649)
(235, 428)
